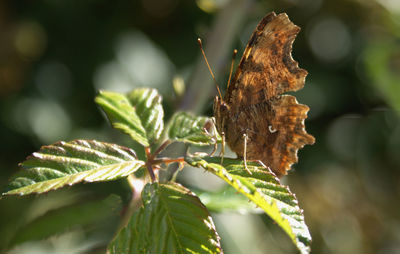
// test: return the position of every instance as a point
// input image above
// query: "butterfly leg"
(245, 152)
(222, 153)
(260, 163)
(213, 150)
(213, 132)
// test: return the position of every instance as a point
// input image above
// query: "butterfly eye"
(224, 106)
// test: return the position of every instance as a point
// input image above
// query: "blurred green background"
(55, 55)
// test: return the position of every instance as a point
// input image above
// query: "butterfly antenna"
(208, 65)
(232, 63)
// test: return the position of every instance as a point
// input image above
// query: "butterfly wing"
(267, 68)
(254, 104)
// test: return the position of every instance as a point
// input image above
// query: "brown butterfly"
(255, 112)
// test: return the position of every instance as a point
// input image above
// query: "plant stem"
(134, 203)
(168, 160)
(161, 147)
(149, 164)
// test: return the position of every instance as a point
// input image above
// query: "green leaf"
(198, 130)
(265, 190)
(171, 220)
(138, 113)
(226, 199)
(68, 163)
(62, 219)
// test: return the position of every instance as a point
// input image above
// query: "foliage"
(171, 219)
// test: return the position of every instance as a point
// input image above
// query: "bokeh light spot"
(330, 40)
(391, 5)
(139, 62)
(30, 40)
(45, 119)
(211, 5)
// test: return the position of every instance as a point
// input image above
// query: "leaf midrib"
(72, 176)
(169, 218)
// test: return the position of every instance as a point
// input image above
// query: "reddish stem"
(161, 148)
(169, 160)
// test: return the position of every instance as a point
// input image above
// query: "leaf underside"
(265, 190)
(227, 200)
(68, 163)
(138, 113)
(171, 220)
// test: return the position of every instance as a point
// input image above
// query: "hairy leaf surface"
(68, 163)
(171, 220)
(138, 113)
(265, 190)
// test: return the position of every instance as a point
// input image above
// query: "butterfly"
(257, 119)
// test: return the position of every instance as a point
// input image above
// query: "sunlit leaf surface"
(265, 190)
(68, 163)
(138, 113)
(171, 220)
